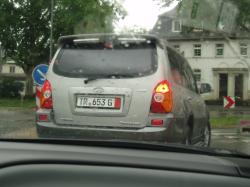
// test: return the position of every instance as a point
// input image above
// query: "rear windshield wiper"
(86, 81)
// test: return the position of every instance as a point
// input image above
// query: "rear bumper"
(50, 130)
(156, 134)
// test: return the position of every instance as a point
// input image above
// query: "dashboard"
(42, 164)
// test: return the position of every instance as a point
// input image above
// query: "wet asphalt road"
(19, 123)
(231, 139)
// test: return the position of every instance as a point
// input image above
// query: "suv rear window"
(101, 60)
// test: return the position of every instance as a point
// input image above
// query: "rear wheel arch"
(189, 129)
(190, 124)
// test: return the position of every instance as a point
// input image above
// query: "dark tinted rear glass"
(125, 59)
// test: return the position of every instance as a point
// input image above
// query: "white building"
(10, 69)
(222, 64)
(221, 61)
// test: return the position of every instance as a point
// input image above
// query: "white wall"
(6, 69)
(208, 60)
(208, 48)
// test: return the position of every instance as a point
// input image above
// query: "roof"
(10, 62)
(102, 36)
(172, 13)
(188, 30)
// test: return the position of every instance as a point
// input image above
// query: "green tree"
(243, 18)
(25, 26)
(242, 22)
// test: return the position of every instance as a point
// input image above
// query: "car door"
(180, 92)
(195, 102)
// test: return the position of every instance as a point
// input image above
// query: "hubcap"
(206, 137)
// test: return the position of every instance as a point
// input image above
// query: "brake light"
(43, 117)
(162, 101)
(157, 122)
(46, 96)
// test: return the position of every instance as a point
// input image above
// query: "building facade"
(10, 70)
(221, 61)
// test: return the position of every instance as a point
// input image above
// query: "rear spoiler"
(92, 38)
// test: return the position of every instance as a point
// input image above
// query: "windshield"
(174, 72)
(88, 61)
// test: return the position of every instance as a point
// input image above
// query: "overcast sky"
(142, 13)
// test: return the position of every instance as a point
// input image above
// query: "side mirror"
(205, 88)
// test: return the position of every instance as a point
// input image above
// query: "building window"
(243, 49)
(197, 74)
(177, 47)
(219, 49)
(159, 24)
(12, 69)
(197, 50)
(176, 26)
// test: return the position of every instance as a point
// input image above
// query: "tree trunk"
(29, 84)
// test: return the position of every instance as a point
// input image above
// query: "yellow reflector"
(162, 88)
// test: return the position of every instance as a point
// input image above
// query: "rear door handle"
(189, 98)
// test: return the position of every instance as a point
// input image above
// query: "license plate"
(98, 102)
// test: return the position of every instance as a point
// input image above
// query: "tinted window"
(95, 60)
(190, 78)
(205, 88)
(181, 71)
(176, 65)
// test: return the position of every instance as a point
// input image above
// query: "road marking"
(246, 141)
(232, 137)
(22, 133)
(223, 133)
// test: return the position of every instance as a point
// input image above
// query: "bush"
(10, 88)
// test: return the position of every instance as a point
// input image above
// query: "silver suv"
(121, 87)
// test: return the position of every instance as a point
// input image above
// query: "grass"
(227, 122)
(16, 103)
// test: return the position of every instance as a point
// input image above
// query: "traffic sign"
(39, 74)
(229, 102)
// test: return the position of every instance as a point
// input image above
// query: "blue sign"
(39, 74)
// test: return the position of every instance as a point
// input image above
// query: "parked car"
(205, 91)
(121, 87)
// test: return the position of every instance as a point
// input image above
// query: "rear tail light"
(43, 117)
(46, 96)
(162, 101)
(157, 122)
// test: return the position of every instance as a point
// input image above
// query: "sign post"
(39, 76)
(229, 102)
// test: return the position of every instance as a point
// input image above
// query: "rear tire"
(41, 132)
(188, 138)
(206, 139)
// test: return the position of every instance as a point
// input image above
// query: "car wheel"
(187, 140)
(41, 133)
(206, 136)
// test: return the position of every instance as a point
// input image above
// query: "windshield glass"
(99, 60)
(174, 72)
